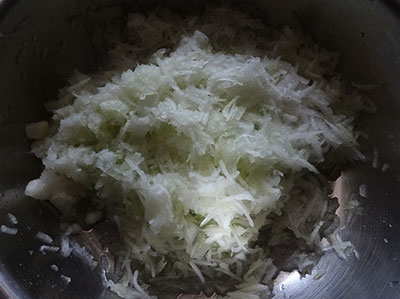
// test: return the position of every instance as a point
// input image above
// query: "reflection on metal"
(347, 196)
(7, 289)
(286, 279)
(339, 191)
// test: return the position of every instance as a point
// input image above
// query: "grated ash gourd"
(196, 150)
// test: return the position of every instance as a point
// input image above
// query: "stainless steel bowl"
(42, 41)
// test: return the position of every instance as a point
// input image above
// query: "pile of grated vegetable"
(205, 131)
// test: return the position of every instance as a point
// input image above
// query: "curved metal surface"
(42, 41)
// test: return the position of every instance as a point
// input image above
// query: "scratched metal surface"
(42, 41)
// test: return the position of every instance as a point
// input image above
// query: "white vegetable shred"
(8, 230)
(66, 279)
(12, 219)
(45, 238)
(54, 267)
(44, 249)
